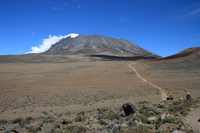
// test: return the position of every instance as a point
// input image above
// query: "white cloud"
(79, 6)
(196, 40)
(65, 5)
(192, 13)
(47, 42)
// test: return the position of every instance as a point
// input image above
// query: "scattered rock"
(181, 99)
(153, 120)
(35, 127)
(178, 131)
(111, 128)
(162, 117)
(162, 104)
(48, 128)
(24, 123)
(64, 113)
(92, 124)
(135, 122)
(66, 121)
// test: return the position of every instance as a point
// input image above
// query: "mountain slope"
(89, 44)
(185, 55)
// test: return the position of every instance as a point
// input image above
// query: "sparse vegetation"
(48, 120)
(110, 116)
(75, 129)
(80, 118)
(3, 121)
(44, 112)
(29, 118)
(173, 119)
(16, 120)
(148, 112)
(142, 128)
(96, 88)
(57, 125)
(182, 106)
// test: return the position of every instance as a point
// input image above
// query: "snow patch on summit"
(72, 35)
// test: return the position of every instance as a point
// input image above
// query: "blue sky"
(164, 27)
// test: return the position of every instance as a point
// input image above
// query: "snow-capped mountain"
(88, 44)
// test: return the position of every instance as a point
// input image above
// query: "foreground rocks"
(141, 117)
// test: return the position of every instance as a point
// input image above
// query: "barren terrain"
(63, 83)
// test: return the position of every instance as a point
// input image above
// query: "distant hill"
(190, 54)
(95, 44)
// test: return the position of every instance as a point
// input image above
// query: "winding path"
(163, 93)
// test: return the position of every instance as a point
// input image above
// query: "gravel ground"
(192, 120)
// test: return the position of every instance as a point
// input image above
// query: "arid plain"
(33, 84)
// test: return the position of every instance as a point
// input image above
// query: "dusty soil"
(191, 120)
(57, 84)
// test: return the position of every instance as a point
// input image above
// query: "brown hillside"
(190, 54)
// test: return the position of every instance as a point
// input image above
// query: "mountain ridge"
(189, 54)
(89, 44)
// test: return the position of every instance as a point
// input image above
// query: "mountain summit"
(90, 44)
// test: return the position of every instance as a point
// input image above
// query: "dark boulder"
(128, 109)
(170, 97)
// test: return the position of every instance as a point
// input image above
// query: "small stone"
(162, 104)
(163, 116)
(178, 131)
(152, 120)
(88, 111)
(35, 127)
(66, 121)
(24, 123)
(64, 113)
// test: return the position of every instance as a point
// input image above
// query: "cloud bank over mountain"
(47, 42)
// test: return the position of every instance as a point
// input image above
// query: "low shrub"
(142, 128)
(75, 129)
(57, 125)
(182, 106)
(109, 116)
(173, 119)
(143, 114)
(48, 120)
(3, 121)
(29, 118)
(16, 120)
(112, 116)
(142, 117)
(44, 112)
(148, 112)
(80, 118)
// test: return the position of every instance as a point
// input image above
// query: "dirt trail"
(163, 93)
